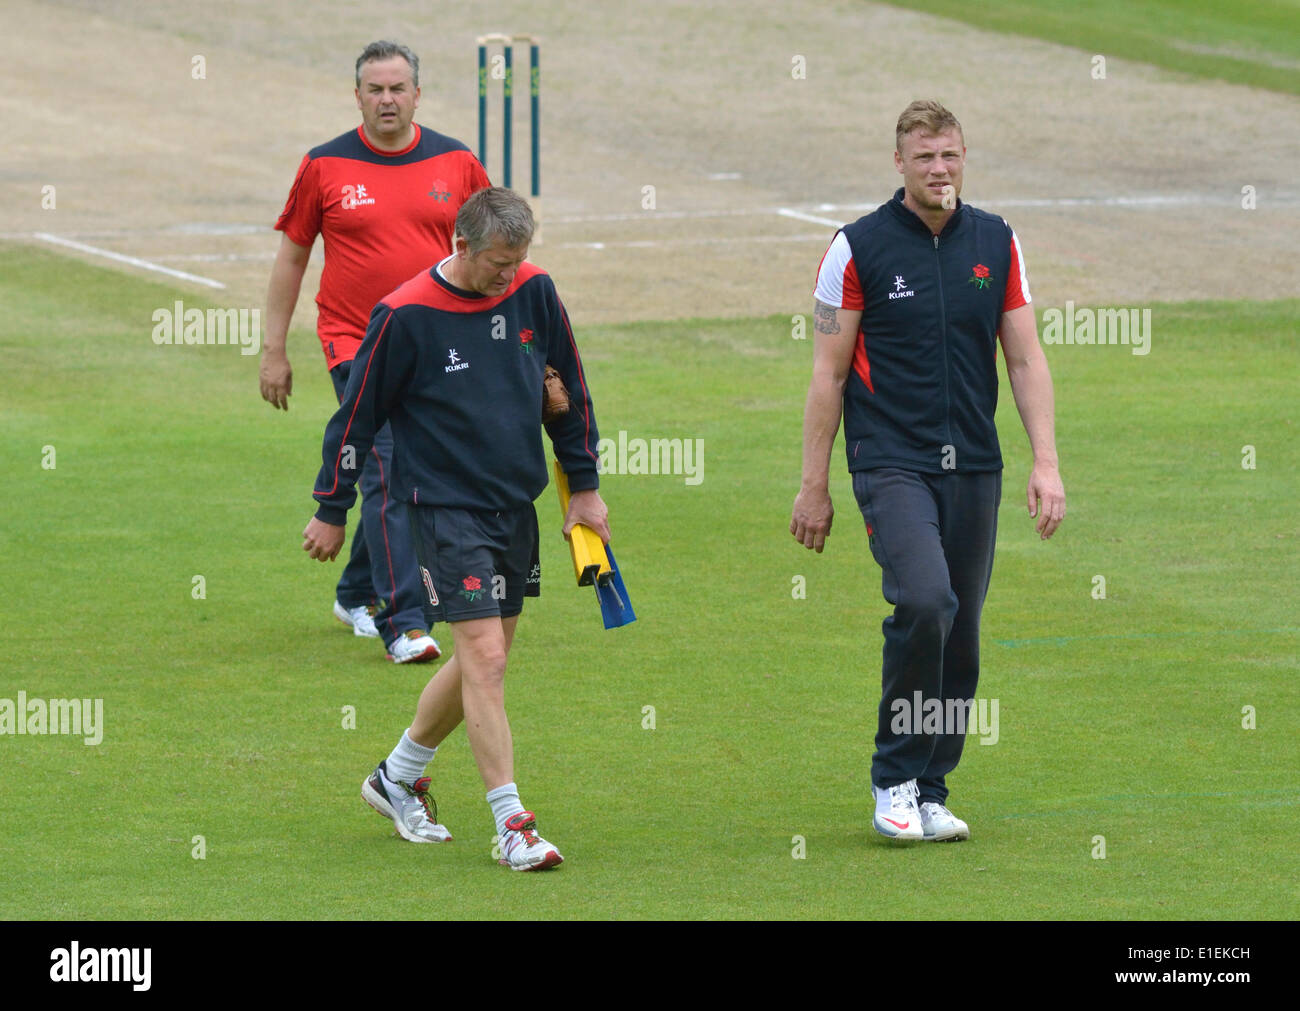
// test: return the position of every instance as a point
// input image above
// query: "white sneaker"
(409, 806)
(940, 825)
(361, 619)
(414, 647)
(522, 849)
(896, 812)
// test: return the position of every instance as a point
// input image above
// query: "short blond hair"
(495, 213)
(929, 117)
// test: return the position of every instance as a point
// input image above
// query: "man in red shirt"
(384, 197)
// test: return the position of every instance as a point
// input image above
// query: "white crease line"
(1154, 200)
(1151, 200)
(134, 261)
(1147, 201)
(710, 241)
(207, 228)
(786, 212)
(215, 257)
(744, 212)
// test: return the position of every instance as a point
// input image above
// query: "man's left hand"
(587, 508)
(1046, 498)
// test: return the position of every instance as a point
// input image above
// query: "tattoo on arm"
(827, 321)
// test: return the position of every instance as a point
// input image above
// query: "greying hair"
(384, 50)
(495, 213)
(930, 118)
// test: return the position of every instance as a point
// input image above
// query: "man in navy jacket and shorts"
(454, 361)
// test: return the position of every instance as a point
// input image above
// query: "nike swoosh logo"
(896, 824)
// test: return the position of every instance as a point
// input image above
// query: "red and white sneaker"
(522, 849)
(414, 647)
(897, 815)
(408, 805)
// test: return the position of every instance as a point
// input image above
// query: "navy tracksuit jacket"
(459, 377)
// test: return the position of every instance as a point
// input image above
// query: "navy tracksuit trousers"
(382, 564)
(933, 537)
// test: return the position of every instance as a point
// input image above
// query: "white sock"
(406, 763)
(505, 802)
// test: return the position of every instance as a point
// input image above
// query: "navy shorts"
(475, 563)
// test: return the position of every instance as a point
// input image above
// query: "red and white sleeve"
(837, 277)
(1017, 293)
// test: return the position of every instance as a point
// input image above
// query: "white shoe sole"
(552, 859)
(956, 835)
(429, 653)
(380, 803)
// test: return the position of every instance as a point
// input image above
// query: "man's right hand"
(810, 521)
(323, 540)
(276, 378)
(589, 509)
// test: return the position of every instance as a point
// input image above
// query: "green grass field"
(223, 716)
(1254, 42)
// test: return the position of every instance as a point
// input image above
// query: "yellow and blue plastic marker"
(594, 564)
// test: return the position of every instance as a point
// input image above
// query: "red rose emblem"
(472, 583)
(979, 276)
(981, 270)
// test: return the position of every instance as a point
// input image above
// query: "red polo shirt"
(385, 216)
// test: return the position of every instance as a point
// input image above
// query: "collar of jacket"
(910, 218)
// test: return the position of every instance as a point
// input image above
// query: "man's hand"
(281, 296)
(323, 540)
(587, 508)
(1045, 496)
(1031, 382)
(836, 336)
(276, 378)
(810, 521)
